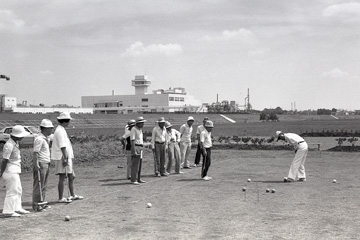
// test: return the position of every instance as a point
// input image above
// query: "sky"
(285, 52)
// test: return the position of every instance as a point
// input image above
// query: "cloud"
(9, 21)
(345, 11)
(241, 34)
(335, 73)
(139, 49)
(46, 72)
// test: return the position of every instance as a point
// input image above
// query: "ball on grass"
(334, 181)
(149, 205)
(244, 189)
(249, 180)
(67, 218)
(273, 190)
(267, 190)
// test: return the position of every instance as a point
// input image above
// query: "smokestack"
(113, 92)
(217, 98)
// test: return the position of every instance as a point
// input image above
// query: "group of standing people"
(166, 140)
(47, 147)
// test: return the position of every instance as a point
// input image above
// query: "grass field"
(185, 207)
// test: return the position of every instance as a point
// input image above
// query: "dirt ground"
(186, 207)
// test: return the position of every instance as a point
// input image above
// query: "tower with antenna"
(141, 84)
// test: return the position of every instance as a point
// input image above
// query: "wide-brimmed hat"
(161, 120)
(209, 124)
(64, 115)
(46, 123)
(168, 124)
(140, 120)
(190, 118)
(19, 131)
(132, 122)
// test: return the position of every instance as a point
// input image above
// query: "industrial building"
(170, 100)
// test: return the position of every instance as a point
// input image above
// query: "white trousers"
(297, 168)
(12, 200)
(185, 149)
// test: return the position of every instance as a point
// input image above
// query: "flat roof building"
(169, 100)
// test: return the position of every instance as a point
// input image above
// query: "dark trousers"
(44, 174)
(198, 155)
(206, 163)
(160, 156)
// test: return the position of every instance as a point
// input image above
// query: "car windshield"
(33, 129)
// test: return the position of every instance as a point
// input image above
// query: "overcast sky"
(303, 51)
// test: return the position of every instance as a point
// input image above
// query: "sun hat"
(161, 120)
(64, 115)
(140, 120)
(46, 123)
(191, 118)
(278, 133)
(209, 124)
(19, 131)
(168, 124)
(132, 122)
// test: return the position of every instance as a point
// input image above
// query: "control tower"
(141, 84)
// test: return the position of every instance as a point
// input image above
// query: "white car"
(26, 141)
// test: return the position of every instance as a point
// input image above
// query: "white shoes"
(23, 211)
(206, 178)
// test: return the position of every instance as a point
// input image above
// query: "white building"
(7, 103)
(170, 100)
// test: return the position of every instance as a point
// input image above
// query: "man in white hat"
(158, 147)
(63, 155)
(137, 144)
(10, 172)
(41, 165)
(126, 142)
(185, 142)
(199, 130)
(206, 145)
(297, 168)
(172, 144)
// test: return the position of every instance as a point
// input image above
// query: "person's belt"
(139, 145)
(301, 142)
(159, 142)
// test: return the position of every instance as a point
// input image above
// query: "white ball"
(149, 205)
(249, 180)
(334, 181)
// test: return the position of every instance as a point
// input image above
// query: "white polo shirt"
(11, 152)
(136, 134)
(186, 133)
(61, 140)
(172, 136)
(41, 146)
(293, 139)
(158, 135)
(205, 138)
(200, 129)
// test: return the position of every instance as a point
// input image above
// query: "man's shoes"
(302, 180)
(179, 172)
(64, 200)
(141, 181)
(209, 177)
(288, 179)
(13, 215)
(157, 175)
(188, 167)
(165, 174)
(195, 165)
(23, 211)
(206, 178)
(135, 183)
(76, 197)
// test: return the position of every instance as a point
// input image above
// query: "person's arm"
(65, 155)
(133, 153)
(122, 140)
(3, 166)
(153, 136)
(202, 139)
